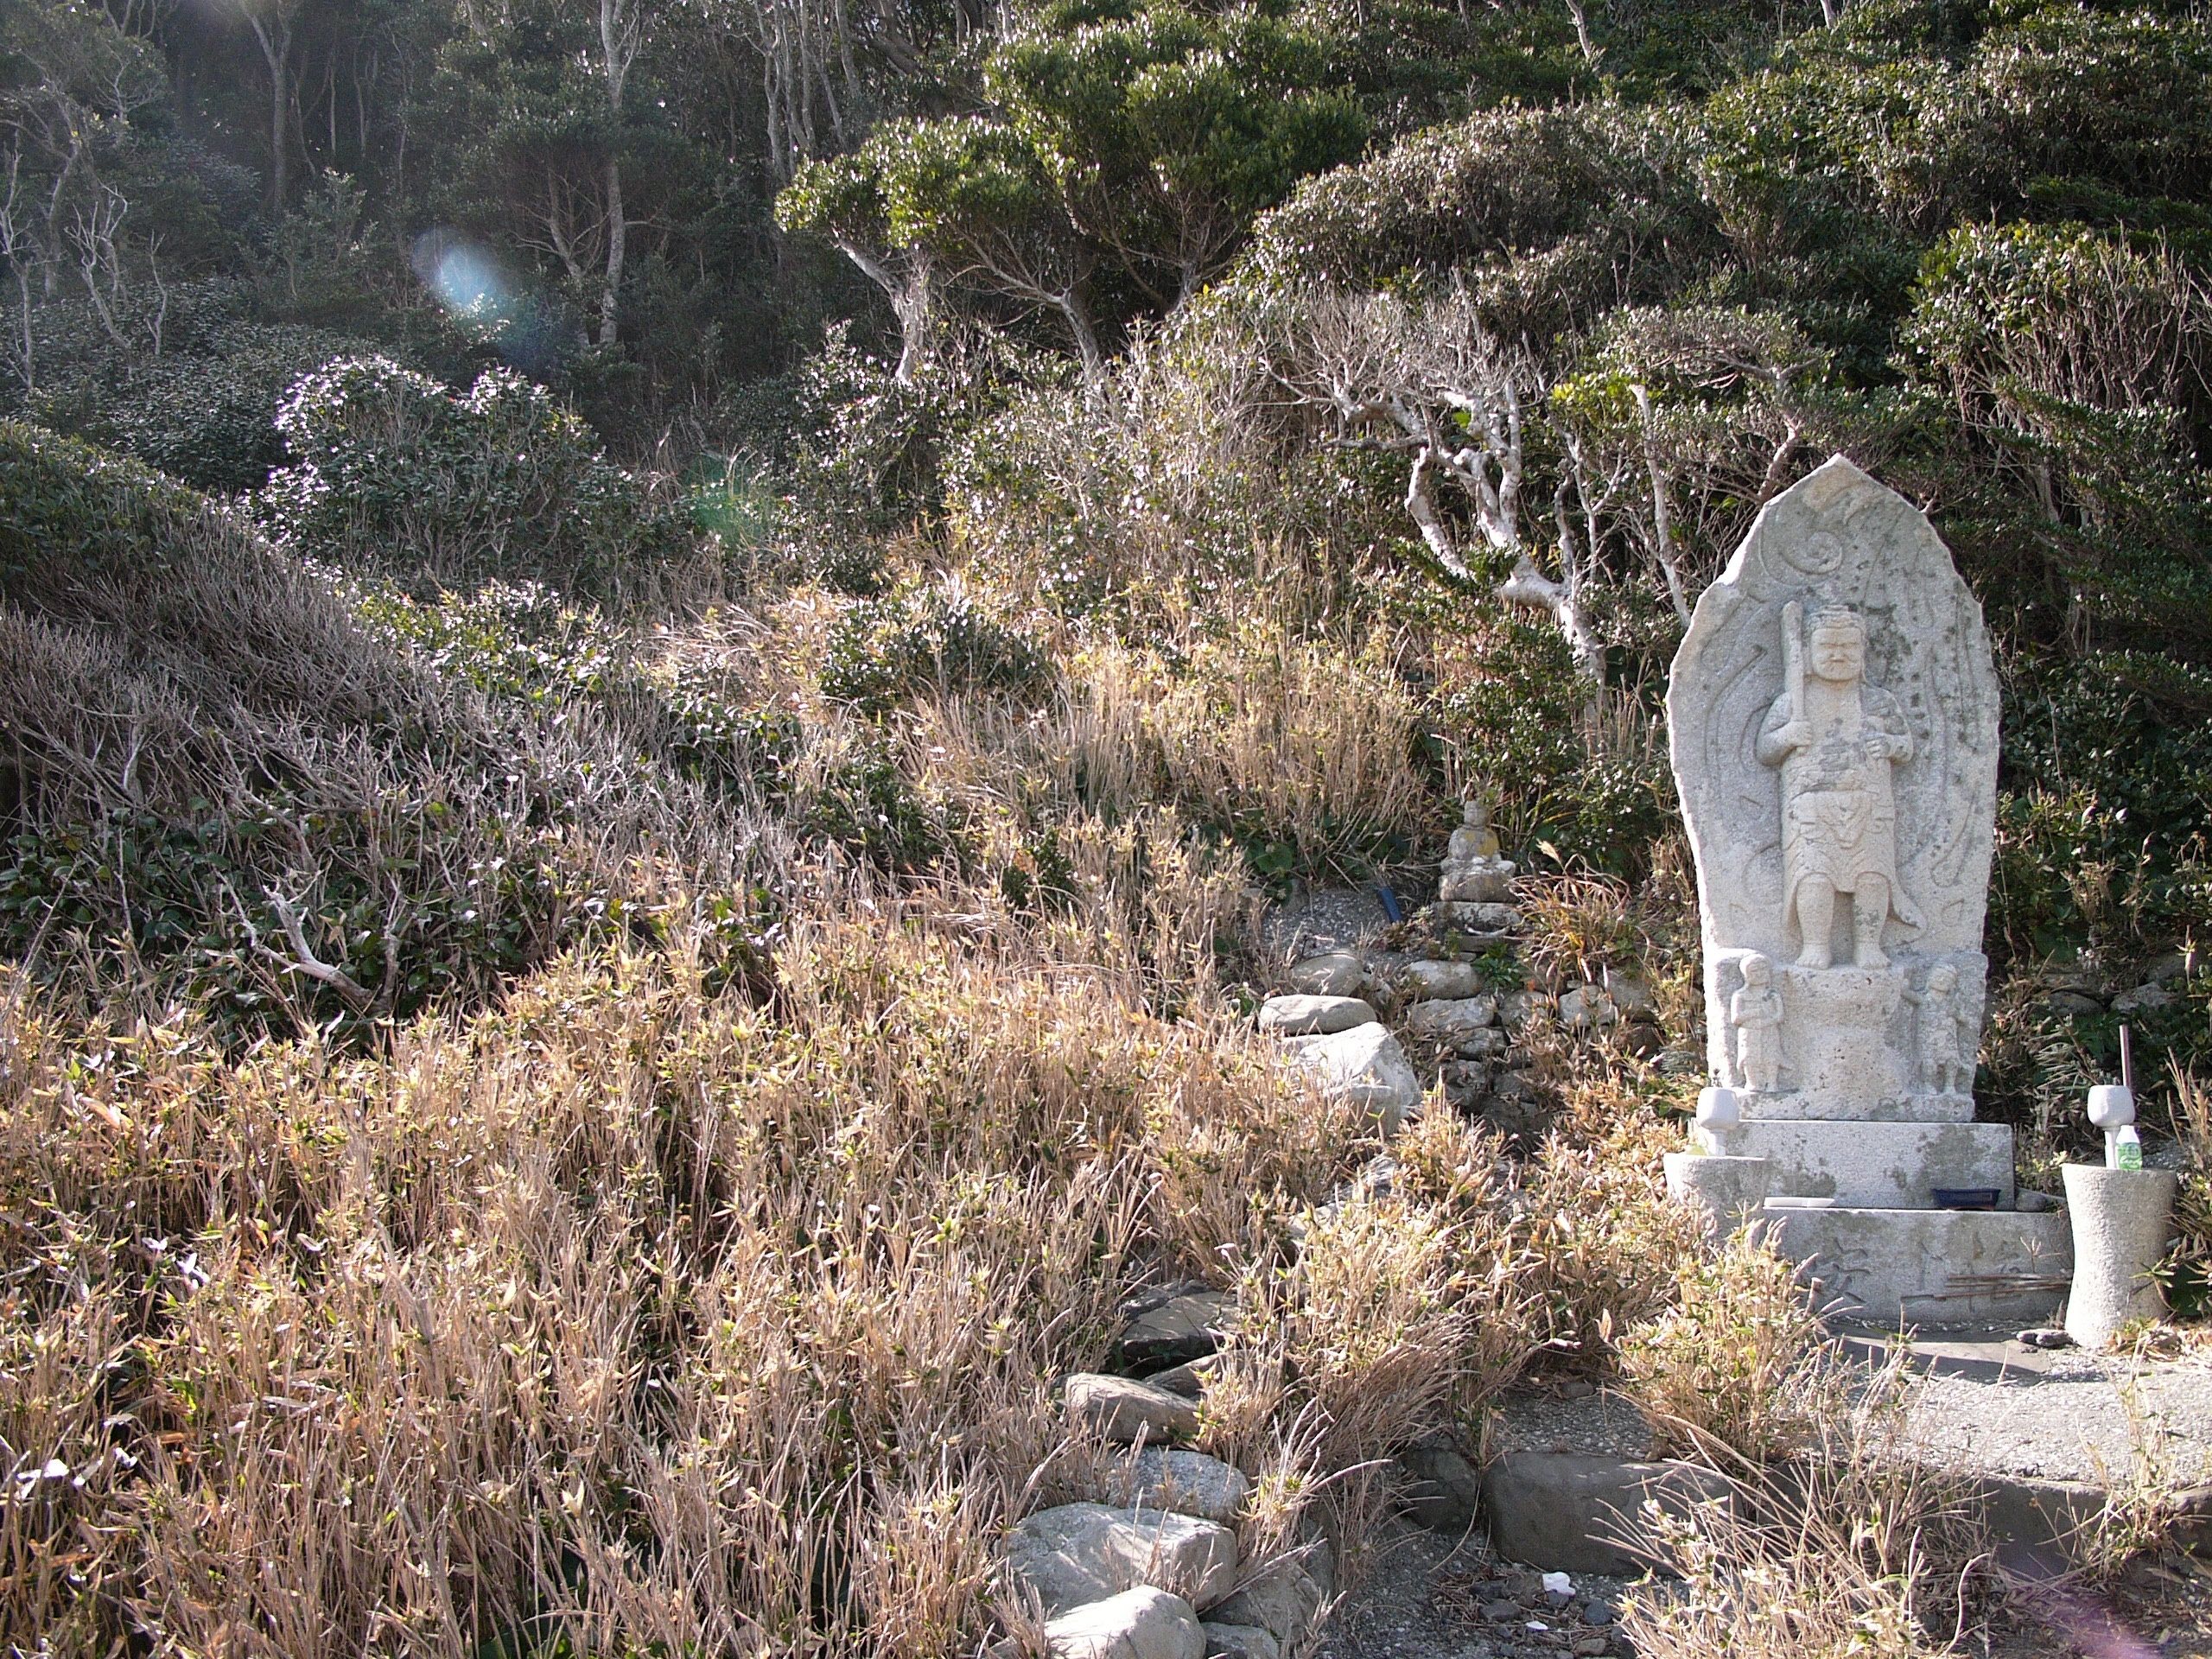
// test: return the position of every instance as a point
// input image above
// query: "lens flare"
(465, 278)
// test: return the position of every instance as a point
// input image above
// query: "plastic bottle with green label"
(2127, 1149)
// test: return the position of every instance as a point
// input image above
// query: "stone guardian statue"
(1835, 737)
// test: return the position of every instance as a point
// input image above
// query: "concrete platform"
(1930, 1265)
(1868, 1165)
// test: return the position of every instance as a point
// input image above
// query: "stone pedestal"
(2121, 1222)
(1871, 1166)
(1927, 1266)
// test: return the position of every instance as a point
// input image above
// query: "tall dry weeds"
(1855, 1547)
(622, 1315)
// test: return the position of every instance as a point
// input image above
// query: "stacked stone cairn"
(1454, 1026)
(1832, 718)
(1149, 1567)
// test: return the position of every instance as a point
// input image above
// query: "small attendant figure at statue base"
(1945, 1065)
(1755, 1012)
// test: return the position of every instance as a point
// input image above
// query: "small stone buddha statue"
(1473, 872)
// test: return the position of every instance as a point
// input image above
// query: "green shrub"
(527, 649)
(221, 785)
(195, 393)
(883, 651)
(394, 474)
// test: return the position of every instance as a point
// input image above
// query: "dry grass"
(1853, 1548)
(1735, 1365)
(626, 1316)
(1267, 735)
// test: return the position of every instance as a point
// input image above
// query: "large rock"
(1452, 1020)
(1444, 1490)
(1567, 1511)
(1122, 1409)
(1422, 980)
(1284, 1600)
(1082, 1552)
(1337, 974)
(1139, 1623)
(1365, 1065)
(1188, 1482)
(1174, 1328)
(1309, 1016)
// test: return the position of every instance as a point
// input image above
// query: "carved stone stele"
(1832, 727)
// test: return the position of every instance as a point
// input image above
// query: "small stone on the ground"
(1188, 1482)
(1337, 974)
(1364, 1064)
(1122, 1409)
(1240, 1641)
(1182, 1327)
(1587, 1008)
(1423, 981)
(1284, 1600)
(1450, 1019)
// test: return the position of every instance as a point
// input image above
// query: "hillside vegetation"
(661, 667)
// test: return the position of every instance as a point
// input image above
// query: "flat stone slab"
(1932, 1266)
(1309, 1016)
(1561, 1511)
(1174, 1329)
(1798, 1104)
(1122, 1409)
(1870, 1165)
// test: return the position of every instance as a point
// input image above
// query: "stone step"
(1932, 1266)
(1870, 1165)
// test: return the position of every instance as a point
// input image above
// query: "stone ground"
(1991, 1405)
(1983, 1404)
(1427, 1595)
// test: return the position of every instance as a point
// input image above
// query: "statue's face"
(1756, 974)
(1838, 651)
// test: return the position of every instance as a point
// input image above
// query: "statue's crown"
(1836, 616)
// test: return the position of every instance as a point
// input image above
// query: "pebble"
(1501, 1611)
(1595, 1612)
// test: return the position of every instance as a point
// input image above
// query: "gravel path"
(1429, 1596)
(2109, 1420)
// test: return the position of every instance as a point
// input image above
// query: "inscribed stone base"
(1870, 1165)
(1930, 1267)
